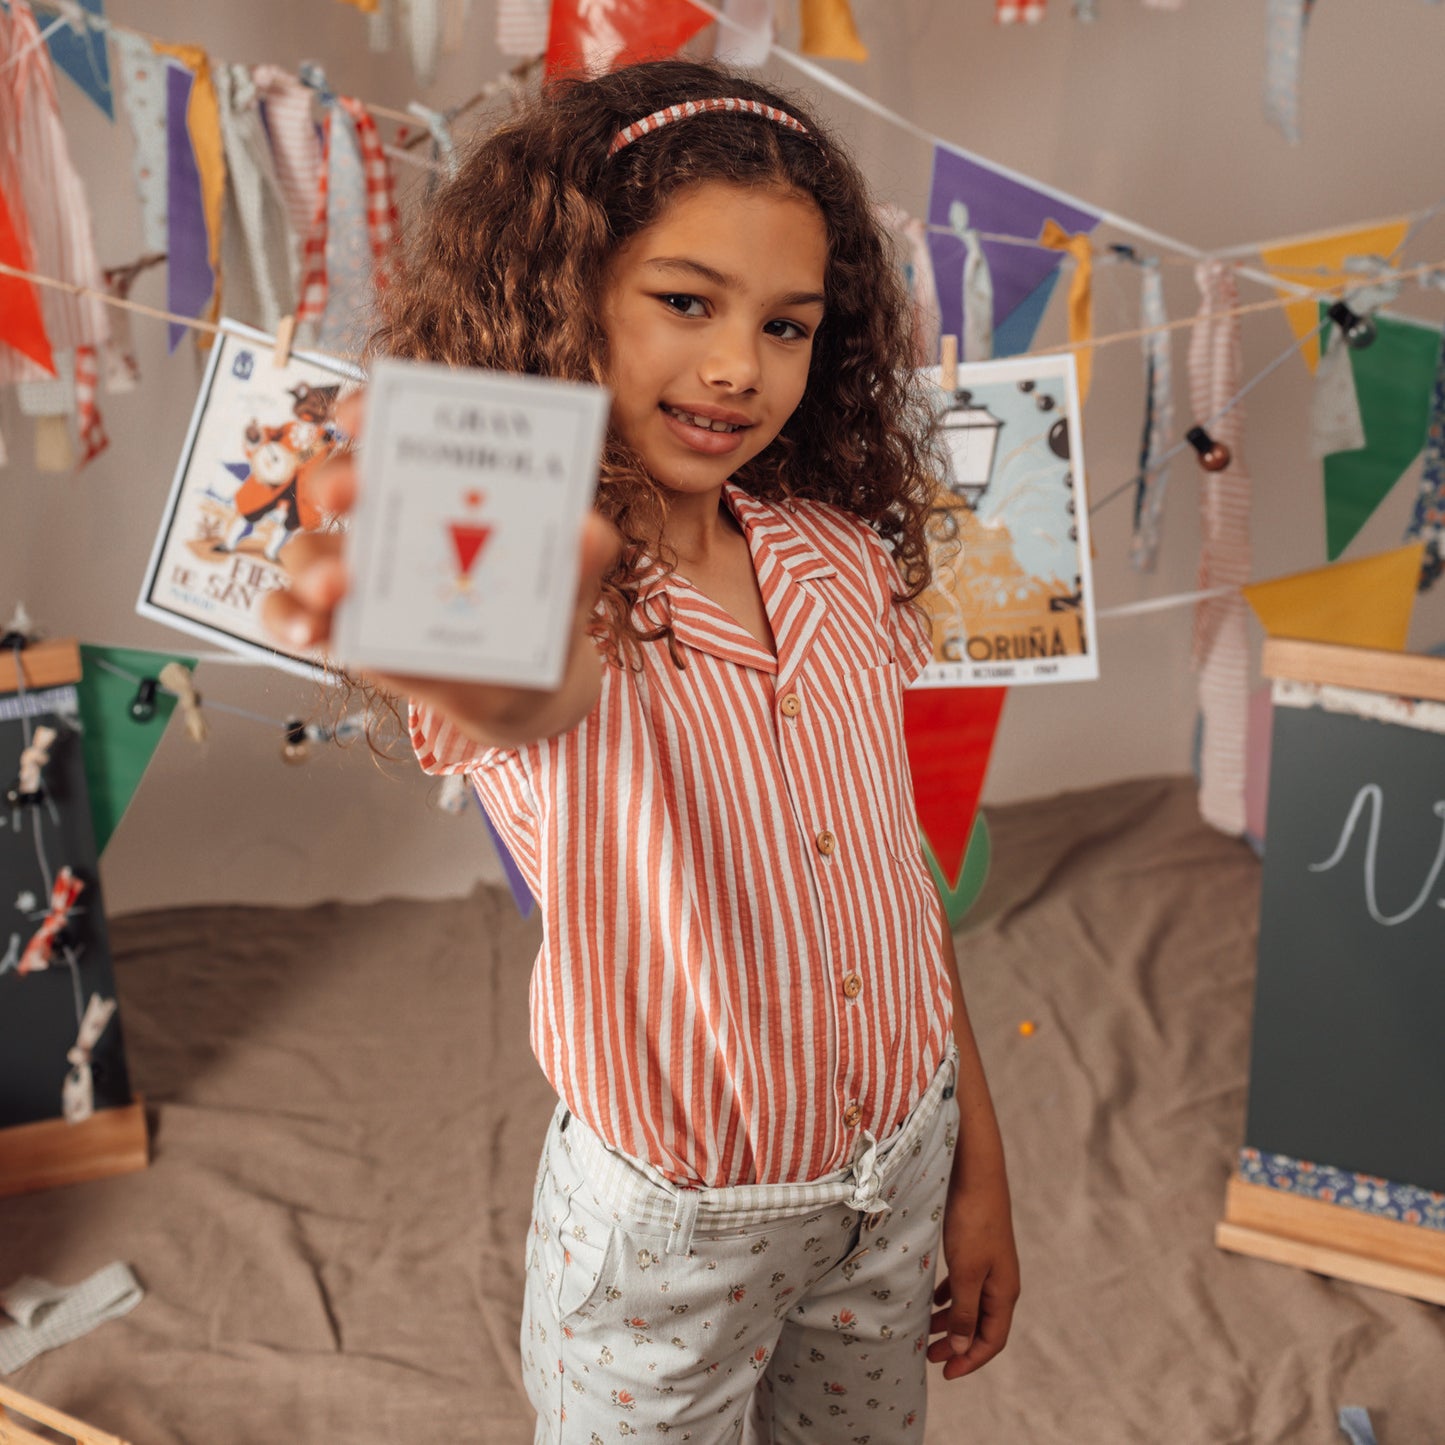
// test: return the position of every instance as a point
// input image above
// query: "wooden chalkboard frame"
(1311, 1234)
(49, 1152)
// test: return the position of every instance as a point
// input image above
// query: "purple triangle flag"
(189, 278)
(521, 894)
(1002, 205)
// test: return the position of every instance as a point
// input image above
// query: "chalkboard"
(41, 1011)
(1348, 1054)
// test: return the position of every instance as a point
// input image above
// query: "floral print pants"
(796, 1313)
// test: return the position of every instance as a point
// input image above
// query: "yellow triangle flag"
(1356, 604)
(1318, 263)
(829, 31)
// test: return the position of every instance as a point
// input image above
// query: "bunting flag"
(203, 139)
(258, 247)
(1394, 380)
(1284, 50)
(998, 204)
(117, 744)
(1335, 421)
(1428, 520)
(143, 93)
(296, 149)
(522, 27)
(81, 53)
(1081, 296)
(745, 35)
(46, 202)
(516, 884)
(21, 324)
(190, 277)
(949, 732)
(596, 36)
(423, 22)
(912, 238)
(91, 428)
(1319, 264)
(961, 894)
(829, 31)
(1221, 651)
(1366, 603)
(1158, 419)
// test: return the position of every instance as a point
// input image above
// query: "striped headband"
(688, 108)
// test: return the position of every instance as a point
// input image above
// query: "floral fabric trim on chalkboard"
(1365, 1192)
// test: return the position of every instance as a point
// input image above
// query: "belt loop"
(684, 1221)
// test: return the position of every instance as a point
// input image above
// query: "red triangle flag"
(596, 36)
(950, 733)
(21, 324)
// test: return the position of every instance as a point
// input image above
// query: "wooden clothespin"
(948, 363)
(176, 677)
(285, 334)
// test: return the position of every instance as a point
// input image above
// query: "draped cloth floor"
(346, 1118)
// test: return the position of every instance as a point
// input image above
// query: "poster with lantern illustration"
(242, 491)
(1012, 598)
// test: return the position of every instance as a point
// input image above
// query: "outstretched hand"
(301, 616)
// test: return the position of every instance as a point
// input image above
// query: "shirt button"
(791, 705)
(826, 842)
(852, 985)
(853, 1115)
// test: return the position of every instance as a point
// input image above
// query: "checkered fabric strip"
(687, 109)
(93, 439)
(382, 221)
(644, 1194)
(1011, 12)
(312, 302)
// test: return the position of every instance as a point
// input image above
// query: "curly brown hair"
(508, 269)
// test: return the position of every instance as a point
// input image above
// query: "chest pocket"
(876, 701)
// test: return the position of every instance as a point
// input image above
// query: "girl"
(746, 996)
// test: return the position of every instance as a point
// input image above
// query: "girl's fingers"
(322, 585)
(306, 549)
(293, 625)
(333, 485)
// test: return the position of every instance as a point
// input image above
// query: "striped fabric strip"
(741, 966)
(296, 150)
(690, 108)
(57, 701)
(1012, 12)
(423, 22)
(1221, 651)
(93, 439)
(383, 225)
(40, 181)
(1159, 418)
(311, 300)
(522, 27)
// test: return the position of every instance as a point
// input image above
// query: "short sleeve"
(908, 625)
(442, 748)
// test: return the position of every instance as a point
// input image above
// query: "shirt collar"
(783, 558)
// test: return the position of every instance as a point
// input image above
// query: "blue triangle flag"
(85, 58)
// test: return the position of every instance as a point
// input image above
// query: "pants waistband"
(639, 1191)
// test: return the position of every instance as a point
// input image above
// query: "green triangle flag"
(960, 895)
(1395, 379)
(116, 745)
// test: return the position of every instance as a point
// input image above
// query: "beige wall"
(1148, 114)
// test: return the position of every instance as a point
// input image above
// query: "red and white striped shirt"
(741, 965)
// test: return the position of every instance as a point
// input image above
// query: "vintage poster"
(1012, 596)
(241, 492)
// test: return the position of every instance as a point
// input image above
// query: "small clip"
(143, 704)
(296, 747)
(176, 678)
(1359, 331)
(20, 630)
(1213, 456)
(285, 334)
